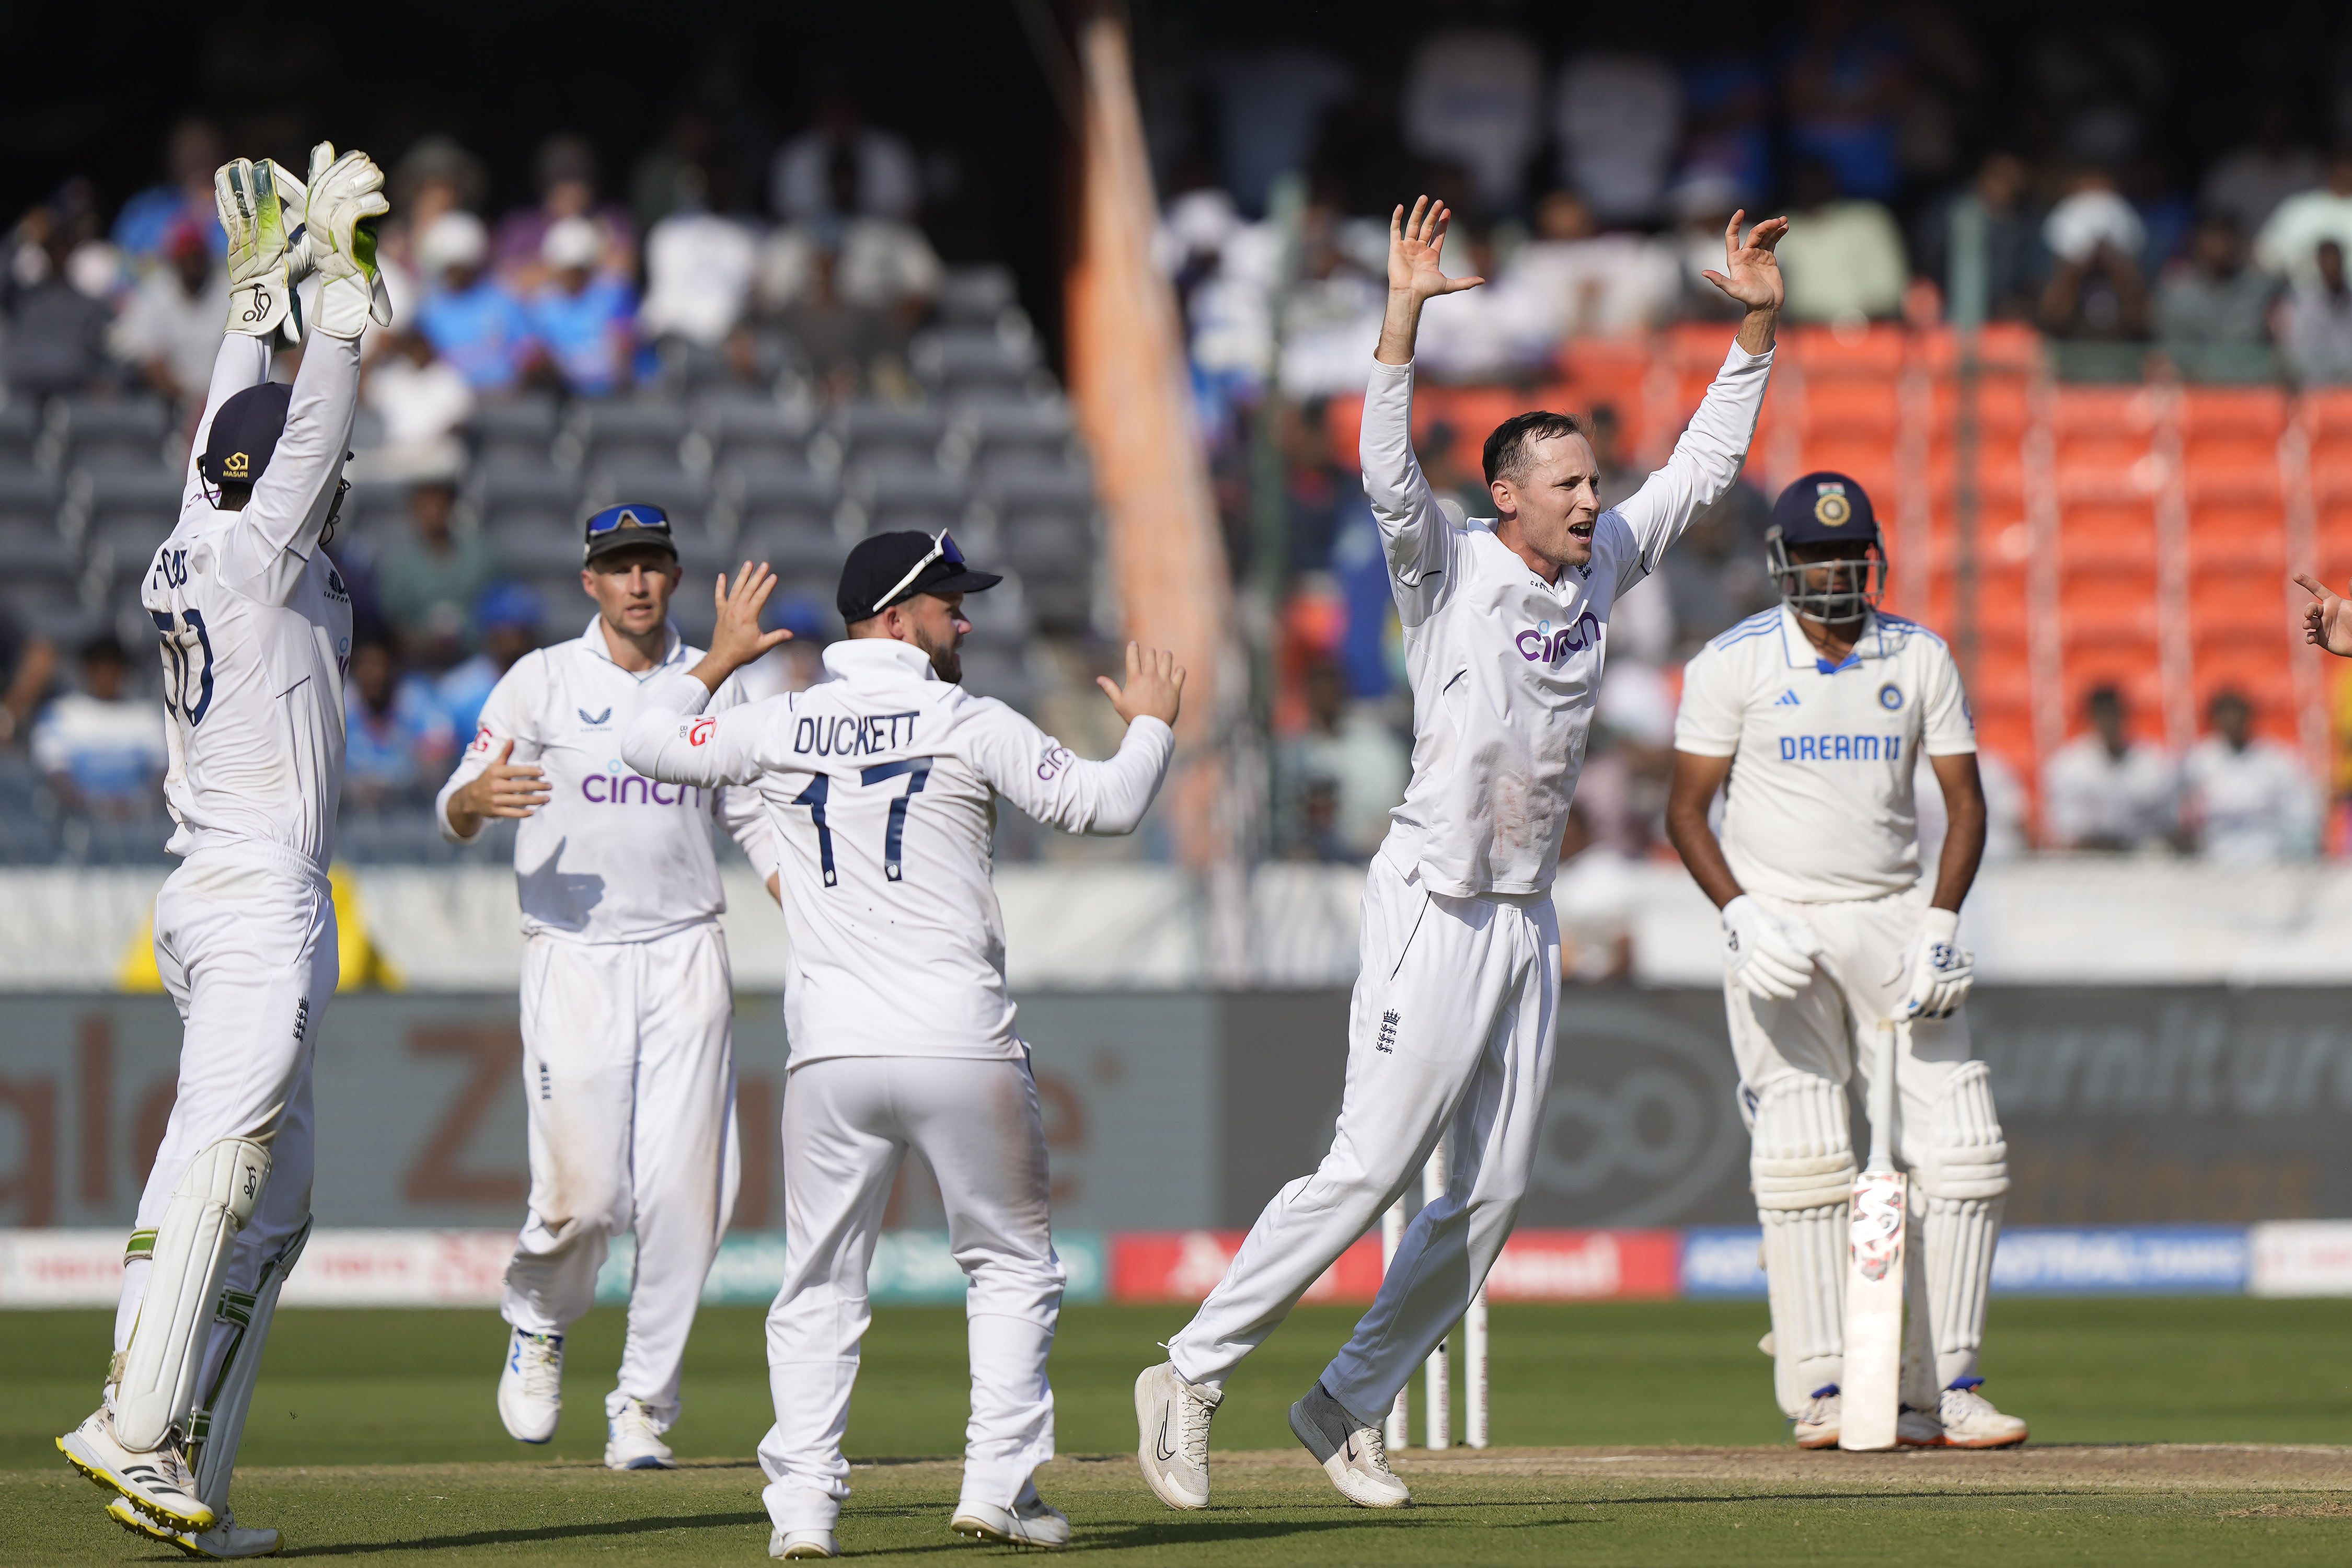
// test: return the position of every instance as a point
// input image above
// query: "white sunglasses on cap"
(942, 549)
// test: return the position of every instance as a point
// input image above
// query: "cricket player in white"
(1814, 714)
(255, 627)
(882, 782)
(628, 1061)
(1450, 1032)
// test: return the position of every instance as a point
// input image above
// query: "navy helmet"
(1827, 509)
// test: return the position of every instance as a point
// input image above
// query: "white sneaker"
(1969, 1421)
(530, 1389)
(1917, 1428)
(1817, 1423)
(1030, 1522)
(802, 1544)
(1171, 1418)
(632, 1441)
(158, 1483)
(226, 1540)
(1352, 1455)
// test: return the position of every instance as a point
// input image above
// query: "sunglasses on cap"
(942, 549)
(614, 518)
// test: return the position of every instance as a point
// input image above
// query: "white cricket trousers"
(245, 939)
(1821, 1034)
(1450, 1031)
(628, 1069)
(848, 1123)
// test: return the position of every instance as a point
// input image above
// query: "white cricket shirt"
(256, 626)
(881, 780)
(612, 856)
(1819, 806)
(1505, 666)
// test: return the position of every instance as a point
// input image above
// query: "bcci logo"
(235, 466)
(1831, 509)
(1890, 696)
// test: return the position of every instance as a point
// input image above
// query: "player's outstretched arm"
(1043, 778)
(1416, 276)
(1154, 688)
(2327, 622)
(1751, 275)
(737, 640)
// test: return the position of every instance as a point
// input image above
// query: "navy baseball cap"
(245, 435)
(625, 527)
(886, 568)
(1825, 508)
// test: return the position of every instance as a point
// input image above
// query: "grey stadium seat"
(516, 431)
(686, 496)
(975, 296)
(738, 431)
(873, 433)
(970, 362)
(20, 433)
(510, 493)
(92, 433)
(911, 496)
(754, 495)
(27, 495)
(610, 435)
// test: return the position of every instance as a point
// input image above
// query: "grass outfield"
(397, 1406)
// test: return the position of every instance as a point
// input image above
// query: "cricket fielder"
(882, 782)
(1450, 1033)
(1814, 714)
(255, 627)
(628, 1061)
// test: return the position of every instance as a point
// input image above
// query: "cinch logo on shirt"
(629, 789)
(860, 737)
(1545, 645)
(1841, 748)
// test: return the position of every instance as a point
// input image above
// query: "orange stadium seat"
(2326, 413)
(1878, 353)
(2239, 606)
(2108, 607)
(2131, 669)
(2263, 674)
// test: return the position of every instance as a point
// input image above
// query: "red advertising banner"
(1535, 1265)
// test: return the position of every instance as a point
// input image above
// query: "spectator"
(397, 737)
(1586, 283)
(567, 194)
(675, 176)
(2288, 244)
(2315, 327)
(1619, 119)
(421, 400)
(143, 229)
(506, 625)
(585, 320)
(844, 344)
(2212, 296)
(1596, 893)
(1341, 777)
(2097, 287)
(102, 752)
(699, 269)
(1842, 257)
(467, 315)
(435, 178)
(2251, 800)
(805, 187)
(2246, 184)
(1728, 105)
(880, 263)
(1333, 311)
(1718, 576)
(171, 329)
(1844, 83)
(1271, 95)
(1474, 98)
(2104, 791)
(56, 339)
(428, 582)
(1703, 203)
(2013, 258)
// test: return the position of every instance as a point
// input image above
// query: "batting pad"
(214, 1200)
(1965, 1181)
(214, 1431)
(1802, 1167)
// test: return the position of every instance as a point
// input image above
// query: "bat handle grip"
(1885, 1052)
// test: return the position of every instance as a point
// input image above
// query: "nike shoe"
(158, 1483)
(1969, 1421)
(1030, 1522)
(226, 1540)
(1352, 1454)
(530, 1389)
(1817, 1423)
(1171, 1418)
(801, 1545)
(632, 1441)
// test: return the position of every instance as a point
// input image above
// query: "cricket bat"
(1878, 1230)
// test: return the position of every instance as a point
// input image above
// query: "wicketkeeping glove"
(346, 197)
(1768, 956)
(262, 291)
(1941, 969)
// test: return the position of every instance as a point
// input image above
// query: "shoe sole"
(1146, 1459)
(643, 1462)
(981, 1530)
(806, 1554)
(1983, 1445)
(104, 1480)
(1830, 1441)
(148, 1529)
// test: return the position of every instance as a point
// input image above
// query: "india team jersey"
(256, 626)
(882, 783)
(612, 856)
(1819, 805)
(1505, 667)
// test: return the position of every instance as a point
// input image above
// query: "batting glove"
(262, 291)
(346, 197)
(1769, 957)
(1941, 969)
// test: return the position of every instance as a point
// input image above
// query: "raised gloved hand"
(1941, 970)
(345, 198)
(1769, 957)
(261, 288)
